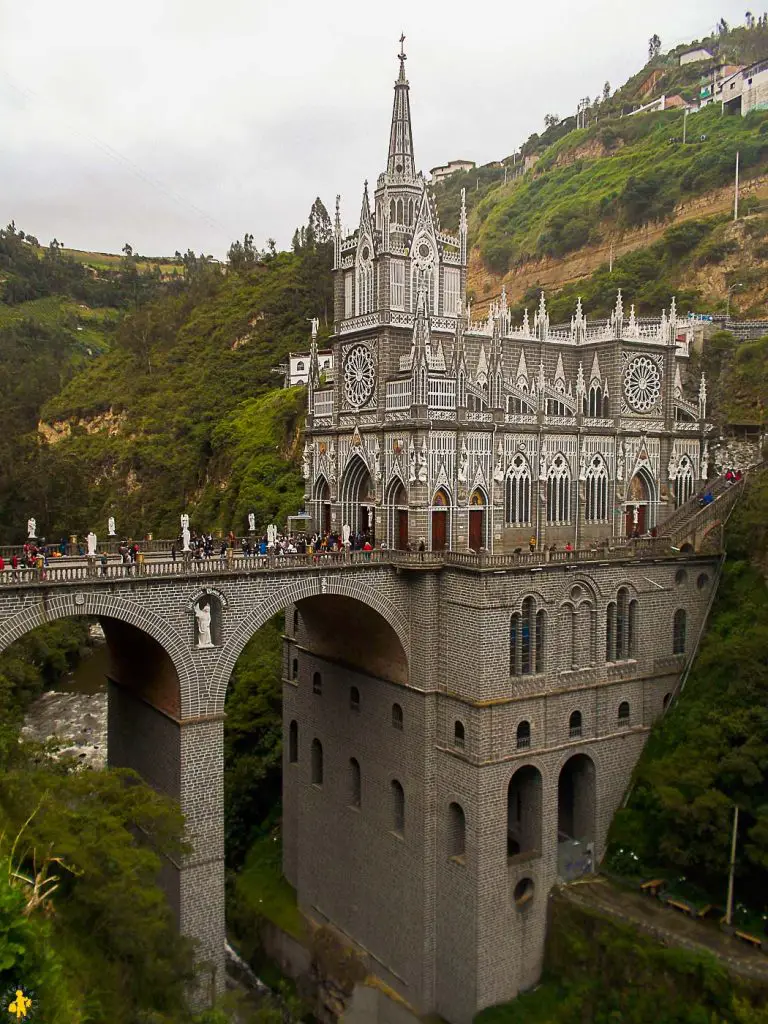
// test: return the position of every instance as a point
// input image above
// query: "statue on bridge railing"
(185, 534)
(251, 522)
(31, 528)
(111, 530)
(91, 539)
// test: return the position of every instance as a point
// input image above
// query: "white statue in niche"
(620, 462)
(91, 539)
(111, 526)
(463, 464)
(31, 528)
(186, 536)
(203, 617)
(498, 473)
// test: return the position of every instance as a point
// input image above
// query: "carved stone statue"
(305, 467)
(31, 528)
(186, 536)
(184, 521)
(251, 522)
(377, 462)
(315, 323)
(332, 462)
(672, 467)
(705, 461)
(543, 464)
(272, 534)
(91, 540)
(412, 466)
(620, 461)
(584, 465)
(498, 473)
(422, 464)
(111, 526)
(463, 465)
(346, 530)
(203, 617)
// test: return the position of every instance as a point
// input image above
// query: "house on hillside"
(297, 371)
(694, 55)
(746, 90)
(712, 81)
(446, 170)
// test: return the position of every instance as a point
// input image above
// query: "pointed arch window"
(355, 784)
(559, 492)
(518, 493)
(684, 481)
(398, 807)
(364, 290)
(596, 510)
(595, 400)
(678, 632)
(622, 625)
(397, 284)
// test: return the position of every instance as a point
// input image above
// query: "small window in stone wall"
(293, 742)
(317, 762)
(397, 717)
(666, 700)
(295, 621)
(678, 631)
(623, 715)
(458, 735)
(354, 699)
(457, 831)
(702, 581)
(355, 784)
(398, 808)
(295, 669)
(523, 892)
(523, 735)
(681, 576)
(317, 683)
(574, 725)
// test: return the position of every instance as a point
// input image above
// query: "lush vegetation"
(710, 752)
(601, 971)
(624, 173)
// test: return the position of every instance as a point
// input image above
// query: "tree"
(319, 223)
(722, 27)
(654, 47)
(128, 250)
(606, 92)
(749, 19)
(550, 120)
(243, 255)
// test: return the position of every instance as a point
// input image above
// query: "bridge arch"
(313, 586)
(105, 606)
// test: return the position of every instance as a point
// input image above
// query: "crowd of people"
(204, 546)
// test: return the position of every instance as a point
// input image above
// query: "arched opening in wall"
(457, 832)
(477, 520)
(397, 506)
(358, 499)
(640, 506)
(524, 810)
(522, 894)
(293, 742)
(398, 807)
(321, 498)
(684, 481)
(439, 521)
(397, 717)
(317, 766)
(679, 622)
(576, 796)
(523, 738)
(665, 702)
(458, 735)
(110, 694)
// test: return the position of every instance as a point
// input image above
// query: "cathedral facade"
(481, 435)
(441, 776)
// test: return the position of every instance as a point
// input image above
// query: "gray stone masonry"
(456, 738)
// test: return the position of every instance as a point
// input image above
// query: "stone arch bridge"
(459, 730)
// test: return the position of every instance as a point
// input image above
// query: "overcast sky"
(175, 124)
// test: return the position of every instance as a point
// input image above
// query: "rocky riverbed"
(77, 720)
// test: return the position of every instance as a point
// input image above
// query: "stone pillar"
(185, 761)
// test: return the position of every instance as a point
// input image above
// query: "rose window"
(359, 376)
(642, 384)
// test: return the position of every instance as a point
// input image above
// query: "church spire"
(400, 158)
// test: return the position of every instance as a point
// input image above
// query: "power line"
(119, 157)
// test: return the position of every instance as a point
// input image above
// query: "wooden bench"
(654, 886)
(753, 940)
(682, 906)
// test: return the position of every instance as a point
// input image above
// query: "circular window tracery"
(359, 376)
(424, 251)
(642, 384)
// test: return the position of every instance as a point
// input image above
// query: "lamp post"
(731, 288)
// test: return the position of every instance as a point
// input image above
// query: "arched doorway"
(322, 499)
(524, 812)
(639, 508)
(397, 505)
(358, 499)
(441, 505)
(477, 520)
(576, 816)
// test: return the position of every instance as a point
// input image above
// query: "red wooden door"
(402, 529)
(476, 528)
(439, 529)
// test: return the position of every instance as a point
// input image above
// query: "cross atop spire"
(400, 158)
